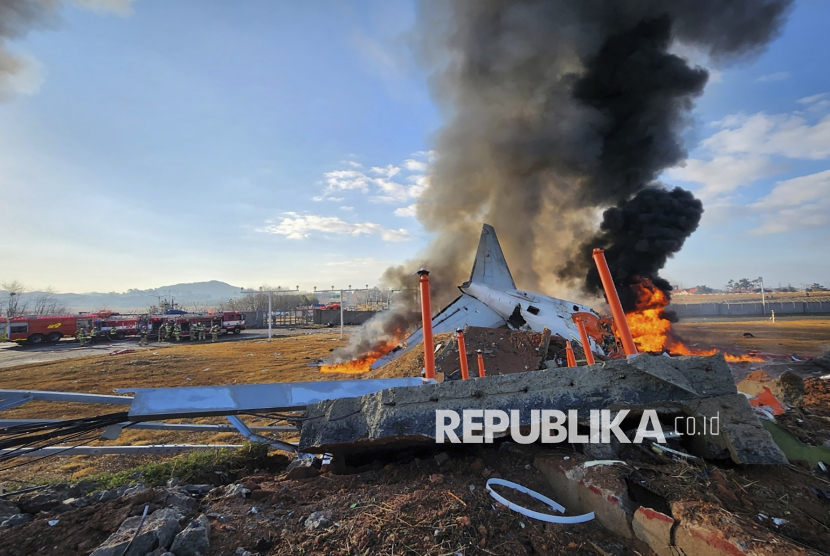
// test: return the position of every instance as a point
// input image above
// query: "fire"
(362, 363)
(652, 329)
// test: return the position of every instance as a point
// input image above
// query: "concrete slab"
(672, 386)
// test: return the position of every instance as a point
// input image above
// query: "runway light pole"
(426, 317)
(614, 302)
(763, 298)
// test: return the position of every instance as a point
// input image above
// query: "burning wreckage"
(357, 420)
(517, 347)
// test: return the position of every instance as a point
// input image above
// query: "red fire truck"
(41, 329)
(230, 322)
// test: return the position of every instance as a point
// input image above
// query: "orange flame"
(364, 362)
(652, 329)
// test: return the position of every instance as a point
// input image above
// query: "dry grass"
(285, 359)
(800, 336)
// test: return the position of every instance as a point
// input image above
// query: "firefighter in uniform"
(214, 332)
(201, 332)
(177, 332)
(82, 337)
(113, 333)
(142, 341)
(94, 333)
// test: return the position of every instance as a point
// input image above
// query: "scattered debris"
(530, 513)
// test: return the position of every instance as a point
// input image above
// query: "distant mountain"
(191, 295)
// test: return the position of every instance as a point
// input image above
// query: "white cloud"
(781, 134)
(415, 165)
(346, 208)
(742, 151)
(297, 226)
(812, 99)
(394, 192)
(409, 211)
(389, 170)
(798, 203)
(346, 180)
(797, 191)
(384, 189)
(352, 163)
(723, 174)
(780, 76)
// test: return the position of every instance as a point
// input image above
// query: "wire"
(21, 439)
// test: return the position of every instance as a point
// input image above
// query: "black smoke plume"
(638, 237)
(556, 110)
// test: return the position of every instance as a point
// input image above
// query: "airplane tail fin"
(490, 266)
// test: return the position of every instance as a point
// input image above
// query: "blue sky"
(150, 143)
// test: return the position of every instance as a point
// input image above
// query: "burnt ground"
(421, 507)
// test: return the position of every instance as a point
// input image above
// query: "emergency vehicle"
(41, 329)
(51, 328)
(230, 322)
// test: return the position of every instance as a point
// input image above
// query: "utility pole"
(763, 298)
(341, 314)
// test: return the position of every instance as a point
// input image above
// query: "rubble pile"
(700, 387)
(504, 351)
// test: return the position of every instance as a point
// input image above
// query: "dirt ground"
(785, 335)
(418, 506)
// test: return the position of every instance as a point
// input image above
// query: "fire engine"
(230, 322)
(41, 329)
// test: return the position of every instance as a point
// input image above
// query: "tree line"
(20, 301)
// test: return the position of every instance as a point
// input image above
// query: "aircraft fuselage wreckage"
(490, 299)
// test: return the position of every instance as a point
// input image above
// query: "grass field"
(799, 336)
(285, 359)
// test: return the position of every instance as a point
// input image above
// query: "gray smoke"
(18, 18)
(557, 109)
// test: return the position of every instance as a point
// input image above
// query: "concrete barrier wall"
(750, 309)
(349, 317)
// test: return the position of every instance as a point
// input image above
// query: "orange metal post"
(426, 316)
(614, 302)
(569, 352)
(480, 364)
(586, 344)
(462, 355)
